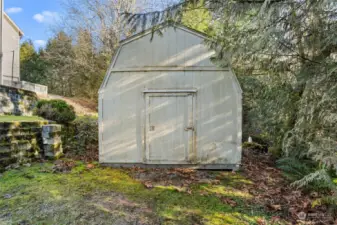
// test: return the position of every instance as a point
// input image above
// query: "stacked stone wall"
(14, 101)
(22, 142)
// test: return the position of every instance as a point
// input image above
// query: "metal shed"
(164, 103)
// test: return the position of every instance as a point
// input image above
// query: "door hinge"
(189, 128)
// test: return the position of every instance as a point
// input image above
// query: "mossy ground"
(12, 118)
(37, 195)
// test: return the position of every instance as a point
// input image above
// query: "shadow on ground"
(84, 194)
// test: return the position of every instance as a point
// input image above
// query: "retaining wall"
(20, 142)
(14, 101)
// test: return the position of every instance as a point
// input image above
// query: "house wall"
(1, 22)
(218, 114)
(11, 42)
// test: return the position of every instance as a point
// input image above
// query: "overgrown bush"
(56, 110)
(301, 125)
(81, 138)
(269, 107)
(252, 146)
(305, 173)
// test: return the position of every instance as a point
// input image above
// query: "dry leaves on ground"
(63, 166)
(268, 188)
(272, 190)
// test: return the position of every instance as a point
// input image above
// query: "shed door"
(169, 128)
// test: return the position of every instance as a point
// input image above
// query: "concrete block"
(51, 128)
(53, 151)
(52, 140)
(52, 143)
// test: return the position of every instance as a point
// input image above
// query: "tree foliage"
(100, 18)
(197, 17)
(60, 57)
(75, 67)
(32, 65)
(76, 58)
(68, 66)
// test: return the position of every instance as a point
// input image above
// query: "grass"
(36, 195)
(11, 118)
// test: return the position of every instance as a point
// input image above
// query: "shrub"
(305, 173)
(252, 146)
(56, 110)
(276, 152)
(81, 138)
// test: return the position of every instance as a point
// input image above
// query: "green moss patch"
(12, 118)
(37, 195)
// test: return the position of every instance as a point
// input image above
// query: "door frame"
(192, 150)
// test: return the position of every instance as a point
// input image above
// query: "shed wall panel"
(218, 124)
(174, 48)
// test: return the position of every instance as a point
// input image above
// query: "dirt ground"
(74, 192)
(81, 106)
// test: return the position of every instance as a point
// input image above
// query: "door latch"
(152, 128)
(189, 128)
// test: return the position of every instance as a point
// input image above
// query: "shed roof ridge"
(161, 26)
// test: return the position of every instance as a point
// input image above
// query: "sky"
(34, 17)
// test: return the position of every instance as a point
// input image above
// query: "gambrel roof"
(150, 31)
(198, 51)
(161, 26)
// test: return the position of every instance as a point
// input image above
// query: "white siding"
(218, 123)
(10, 43)
(167, 116)
(178, 60)
(175, 47)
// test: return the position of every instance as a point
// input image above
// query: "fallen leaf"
(261, 221)
(90, 166)
(203, 193)
(276, 207)
(215, 182)
(296, 193)
(275, 219)
(306, 203)
(205, 181)
(292, 210)
(314, 194)
(148, 184)
(301, 215)
(229, 201)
